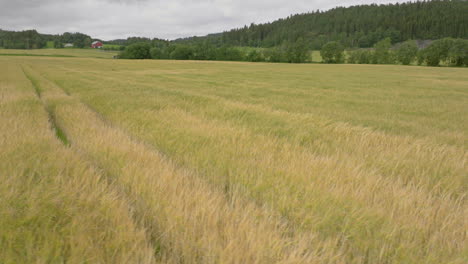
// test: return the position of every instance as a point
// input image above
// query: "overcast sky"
(112, 19)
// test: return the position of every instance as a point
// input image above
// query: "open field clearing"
(115, 161)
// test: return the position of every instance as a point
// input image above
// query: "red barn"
(96, 45)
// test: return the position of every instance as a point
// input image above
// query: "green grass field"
(128, 161)
(50, 45)
(112, 46)
(314, 55)
(68, 52)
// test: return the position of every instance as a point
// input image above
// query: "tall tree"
(407, 52)
(382, 52)
(332, 52)
(297, 52)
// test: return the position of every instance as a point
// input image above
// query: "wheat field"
(116, 161)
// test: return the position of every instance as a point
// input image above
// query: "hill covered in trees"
(356, 26)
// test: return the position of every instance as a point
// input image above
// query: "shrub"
(229, 54)
(297, 52)
(458, 52)
(275, 55)
(255, 56)
(157, 53)
(360, 56)
(382, 53)
(438, 51)
(332, 52)
(407, 52)
(137, 51)
(420, 57)
(365, 56)
(182, 52)
(352, 57)
(204, 51)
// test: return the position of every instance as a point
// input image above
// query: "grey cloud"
(109, 19)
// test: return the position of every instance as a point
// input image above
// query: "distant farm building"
(68, 45)
(96, 45)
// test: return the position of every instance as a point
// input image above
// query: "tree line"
(295, 52)
(446, 51)
(31, 39)
(28, 39)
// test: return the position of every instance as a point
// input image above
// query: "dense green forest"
(356, 26)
